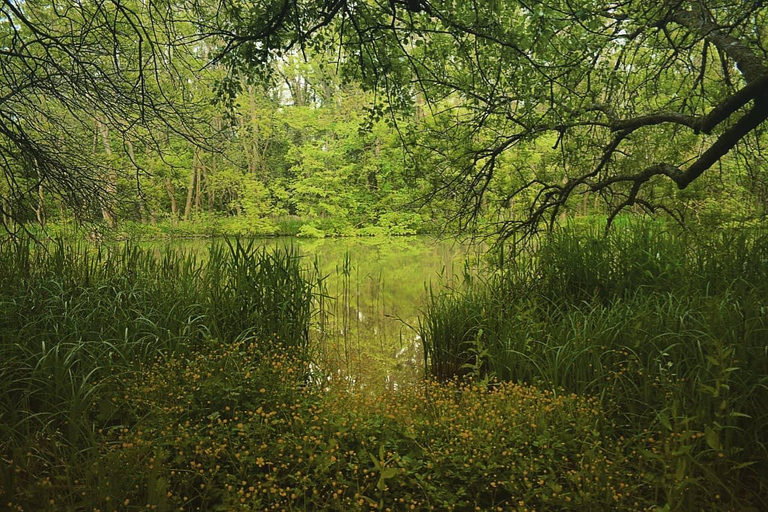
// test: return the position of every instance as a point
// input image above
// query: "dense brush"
(72, 317)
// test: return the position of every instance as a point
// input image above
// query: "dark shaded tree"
(72, 76)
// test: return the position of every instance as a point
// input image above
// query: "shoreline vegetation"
(137, 379)
(603, 345)
(220, 228)
(207, 227)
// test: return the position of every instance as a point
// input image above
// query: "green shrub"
(310, 231)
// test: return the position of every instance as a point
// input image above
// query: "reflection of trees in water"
(370, 332)
(372, 326)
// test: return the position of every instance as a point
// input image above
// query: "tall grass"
(74, 317)
(669, 330)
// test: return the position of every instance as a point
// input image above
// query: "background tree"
(105, 73)
(505, 115)
(630, 93)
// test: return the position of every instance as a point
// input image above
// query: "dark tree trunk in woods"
(191, 187)
(198, 186)
(40, 210)
(209, 188)
(144, 210)
(172, 196)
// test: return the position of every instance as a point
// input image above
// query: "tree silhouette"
(72, 73)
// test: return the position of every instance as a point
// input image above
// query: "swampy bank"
(190, 377)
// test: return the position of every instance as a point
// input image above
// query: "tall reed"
(74, 317)
(669, 330)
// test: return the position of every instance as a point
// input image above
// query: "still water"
(376, 289)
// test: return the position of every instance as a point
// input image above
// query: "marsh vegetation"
(603, 346)
(623, 372)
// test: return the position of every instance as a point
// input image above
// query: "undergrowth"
(146, 380)
(233, 428)
(669, 331)
(73, 318)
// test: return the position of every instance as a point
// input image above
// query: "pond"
(376, 288)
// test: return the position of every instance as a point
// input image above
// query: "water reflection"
(375, 290)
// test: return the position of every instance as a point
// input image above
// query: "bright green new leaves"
(631, 93)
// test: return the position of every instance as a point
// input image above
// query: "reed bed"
(669, 330)
(74, 319)
(625, 372)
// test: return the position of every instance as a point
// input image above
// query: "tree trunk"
(421, 105)
(251, 144)
(144, 211)
(172, 196)
(40, 210)
(6, 210)
(198, 187)
(191, 187)
(110, 187)
(234, 200)
(209, 188)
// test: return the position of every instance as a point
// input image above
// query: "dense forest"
(595, 338)
(135, 114)
(300, 152)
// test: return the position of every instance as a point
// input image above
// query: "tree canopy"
(506, 111)
(630, 92)
(67, 67)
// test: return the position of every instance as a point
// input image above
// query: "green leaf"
(664, 420)
(712, 437)
(385, 474)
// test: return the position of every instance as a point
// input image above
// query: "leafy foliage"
(499, 115)
(627, 94)
(227, 427)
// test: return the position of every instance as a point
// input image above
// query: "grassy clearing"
(669, 332)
